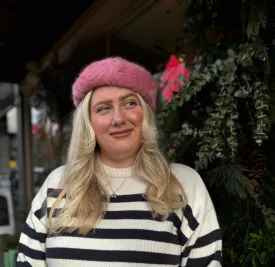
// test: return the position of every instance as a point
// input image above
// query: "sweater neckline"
(118, 172)
(113, 172)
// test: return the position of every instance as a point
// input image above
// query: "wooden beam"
(77, 26)
(103, 18)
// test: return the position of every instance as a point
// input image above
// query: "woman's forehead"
(111, 92)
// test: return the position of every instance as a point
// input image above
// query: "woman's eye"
(131, 103)
(102, 109)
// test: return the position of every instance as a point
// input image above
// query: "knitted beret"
(115, 71)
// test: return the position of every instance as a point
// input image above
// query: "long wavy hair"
(83, 199)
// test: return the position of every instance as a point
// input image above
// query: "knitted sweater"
(127, 236)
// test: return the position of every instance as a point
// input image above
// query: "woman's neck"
(118, 163)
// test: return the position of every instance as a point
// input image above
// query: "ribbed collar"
(112, 172)
(118, 172)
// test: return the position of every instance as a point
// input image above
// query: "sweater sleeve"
(31, 247)
(32, 242)
(199, 232)
(205, 245)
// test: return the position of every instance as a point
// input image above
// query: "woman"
(117, 202)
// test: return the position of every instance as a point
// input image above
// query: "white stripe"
(206, 250)
(150, 225)
(37, 263)
(203, 252)
(185, 228)
(32, 243)
(127, 206)
(113, 244)
(51, 200)
(204, 232)
(138, 224)
(215, 264)
(140, 206)
(39, 226)
(67, 263)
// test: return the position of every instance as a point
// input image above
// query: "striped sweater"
(127, 236)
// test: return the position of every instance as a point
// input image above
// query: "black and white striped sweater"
(127, 236)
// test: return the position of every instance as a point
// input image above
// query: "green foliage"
(230, 177)
(225, 103)
(257, 20)
(265, 201)
(239, 75)
(261, 247)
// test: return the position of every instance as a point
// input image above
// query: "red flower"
(172, 77)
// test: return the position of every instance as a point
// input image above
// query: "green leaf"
(229, 123)
(252, 242)
(249, 257)
(259, 257)
(187, 97)
(231, 53)
(256, 236)
(264, 256)
(218, 62)
(254, 264)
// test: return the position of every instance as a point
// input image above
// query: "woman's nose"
(118, 117)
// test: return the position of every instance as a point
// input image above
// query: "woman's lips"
(122, 133)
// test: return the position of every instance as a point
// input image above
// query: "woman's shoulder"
(55, 176)
(193, 185)
(53, 179)
(52, 182)
(186, 175)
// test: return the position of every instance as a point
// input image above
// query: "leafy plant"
(261, 247)
(225, 105)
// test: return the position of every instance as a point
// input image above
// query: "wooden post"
(26, 168)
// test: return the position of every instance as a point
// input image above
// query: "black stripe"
(22, 264)
(177, 223)
(208, 239)
(204, 261)
(139, 234)
(186, 252)
(188, 214)
(203, 241)
(31, 233)
(112, 256)
(52, 192)
(40, 213)
(182, 238)
(173, 217)
(129, 198)
(128, 215)
(31, 253)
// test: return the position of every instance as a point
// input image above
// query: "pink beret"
(115, 71)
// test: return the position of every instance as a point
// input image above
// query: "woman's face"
(116, 117)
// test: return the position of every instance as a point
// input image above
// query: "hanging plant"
(239, 76)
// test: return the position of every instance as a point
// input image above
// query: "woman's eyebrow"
(106, 101)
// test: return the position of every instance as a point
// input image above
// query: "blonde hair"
(80, 211)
